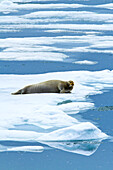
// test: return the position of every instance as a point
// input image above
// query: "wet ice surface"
(40, 36)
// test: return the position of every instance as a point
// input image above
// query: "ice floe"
(75, 107)
(46, 117)
(54, 48)
(5, 6)
(108, 6)
(50, 56)
(86, 62)
(70, 15)
(53, 18)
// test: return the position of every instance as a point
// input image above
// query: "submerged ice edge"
(86, 147)
(21, 148)
(83, 147)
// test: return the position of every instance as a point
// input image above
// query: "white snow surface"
(34, 117)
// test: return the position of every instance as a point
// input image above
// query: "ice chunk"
(81, 131)
(76, 107)
(86, 62)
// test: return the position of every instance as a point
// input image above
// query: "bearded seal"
(50, 86)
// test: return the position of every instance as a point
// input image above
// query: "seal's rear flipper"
(18, 92)
(15, 93)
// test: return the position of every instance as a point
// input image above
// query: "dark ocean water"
(62, 33)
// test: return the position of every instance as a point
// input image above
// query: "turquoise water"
(65, 34)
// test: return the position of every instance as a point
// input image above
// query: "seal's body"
(50, 86)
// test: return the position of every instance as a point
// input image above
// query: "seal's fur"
(50, 86)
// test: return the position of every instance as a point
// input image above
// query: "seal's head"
(69, 86)
(71, 83)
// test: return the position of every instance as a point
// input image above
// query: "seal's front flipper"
(62, 91)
